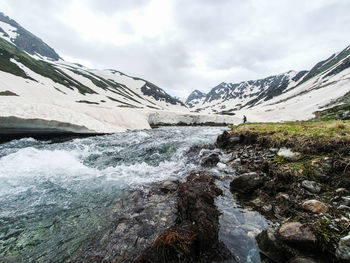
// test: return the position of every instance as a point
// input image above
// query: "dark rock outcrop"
(28, 42)
(226, 141)
(210, 160)
(246, 183)
(194, 238)
(297, 235)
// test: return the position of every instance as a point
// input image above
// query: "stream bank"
(300, 185)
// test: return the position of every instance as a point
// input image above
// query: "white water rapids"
(56, 197)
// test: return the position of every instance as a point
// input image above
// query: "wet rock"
(226, 140)
(272, 247)
(168, 186)
(315, 206)
(297, 235)
(210, 161)
(288, 154)
(246, 183)
(194, 238)
(343, 250)
(311, 186)
(139, 218)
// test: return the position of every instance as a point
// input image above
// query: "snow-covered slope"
(288, 96)
(195, 98)
(38, 90)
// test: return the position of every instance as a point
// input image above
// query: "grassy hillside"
(9, 52)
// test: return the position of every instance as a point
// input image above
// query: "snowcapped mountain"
(247, 93)
(11, 31)
(40, 91)
(287, 96)
(195, 98)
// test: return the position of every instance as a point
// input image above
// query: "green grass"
(7, 66)
(307, 136)
(301, 129)
(333, 112)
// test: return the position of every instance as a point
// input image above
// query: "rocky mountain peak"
(13, 32)
(194, 98)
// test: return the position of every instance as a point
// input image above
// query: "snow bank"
(173, 118)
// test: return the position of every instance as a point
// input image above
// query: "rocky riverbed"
(241, 199)
(304, 193)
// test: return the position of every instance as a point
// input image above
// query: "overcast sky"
(184, 45)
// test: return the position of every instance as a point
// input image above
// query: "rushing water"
(55, 198)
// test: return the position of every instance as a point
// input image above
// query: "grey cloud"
(241, 39)
(109, 7)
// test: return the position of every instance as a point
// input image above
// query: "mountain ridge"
(235, 97)
(27, 41)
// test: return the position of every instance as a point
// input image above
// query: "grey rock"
(311, 186)
(341, 190)
(343, 250)
(297, 235)
(343, 207)
(211, 160)
(272, 247)
(246, 183)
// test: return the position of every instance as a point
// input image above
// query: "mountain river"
(55, 198)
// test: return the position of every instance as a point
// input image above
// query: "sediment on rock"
(194, 237)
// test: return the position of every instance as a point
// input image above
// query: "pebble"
(346, 200)
(341, 190)
(343, 207)
(311, 186)
(315, 206)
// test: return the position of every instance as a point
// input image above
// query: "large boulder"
(227, 140)
(272, 247)
(297, 235)
(246, 183)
